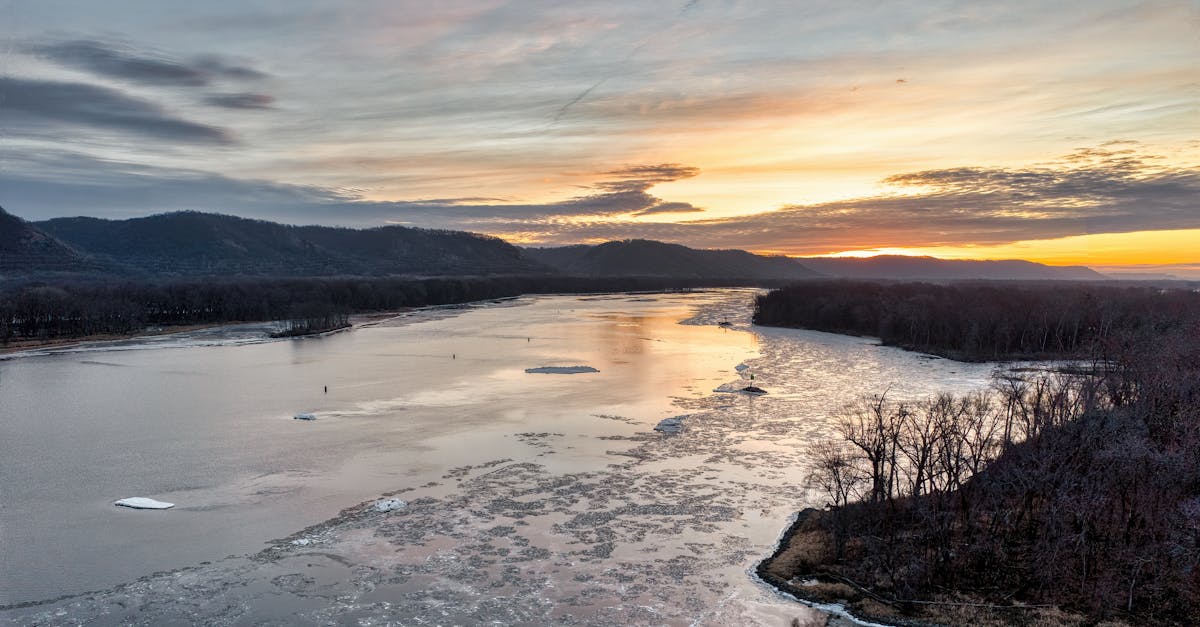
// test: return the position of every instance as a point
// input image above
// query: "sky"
(1060, 132)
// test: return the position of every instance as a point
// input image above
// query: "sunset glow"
(1142, 247)
(1063, 133)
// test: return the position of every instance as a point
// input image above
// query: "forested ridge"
(980, 321)
(1048, 499)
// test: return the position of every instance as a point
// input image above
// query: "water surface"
(533, 498)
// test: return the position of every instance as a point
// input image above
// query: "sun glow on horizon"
(1107, 249)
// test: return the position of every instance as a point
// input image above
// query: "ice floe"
(387, 505)
(561, 370)
(670, 425)
(738, 388)
(141, 502)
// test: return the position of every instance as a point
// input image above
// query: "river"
(530, 498)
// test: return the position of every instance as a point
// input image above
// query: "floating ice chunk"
(387, 505)
(141, 502)
(302, 542)
(670, 425)
(741, 367)
(305, 416)
(561, 370)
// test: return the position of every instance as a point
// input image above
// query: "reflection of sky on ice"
(532, 498)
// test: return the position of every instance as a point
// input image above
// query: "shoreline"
(835, 608)
(363, 319)
(828, 592)
(21, 346)
(356, 320)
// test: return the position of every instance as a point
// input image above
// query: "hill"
(23, 246)
(904, 268)
(639, 257)
(204, 244)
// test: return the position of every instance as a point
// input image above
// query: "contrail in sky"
(584, 94)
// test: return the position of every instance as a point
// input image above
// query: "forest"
(981, 321)
(1060, 498)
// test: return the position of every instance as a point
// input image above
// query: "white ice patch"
(387, 505)
(561, 370)
(141, 502)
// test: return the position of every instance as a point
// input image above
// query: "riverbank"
(98, 340)
(19, 346)
(803, 566)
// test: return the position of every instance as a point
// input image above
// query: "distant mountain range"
(192, 244)
(204, 244)
(903, 268)
(639, 257)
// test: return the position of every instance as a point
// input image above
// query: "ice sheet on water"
(387, 505)
(670, 425)
(561, 370)
(229, 335)
(141, 502)
(665, 534)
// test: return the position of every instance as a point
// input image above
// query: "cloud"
(643, 177)
(31, 106)
(626, 192)
(1100, 190)
(57, 183)
(241, 101)
(122, 62)
(1095, 190)
(671, 207)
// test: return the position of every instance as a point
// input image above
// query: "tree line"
(72, 309)
(979, 321)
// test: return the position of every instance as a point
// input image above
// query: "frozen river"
(531, 498)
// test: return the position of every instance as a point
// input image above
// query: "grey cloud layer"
(123, 62)
(241, 101)
(36, 106)
(1097, 191)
